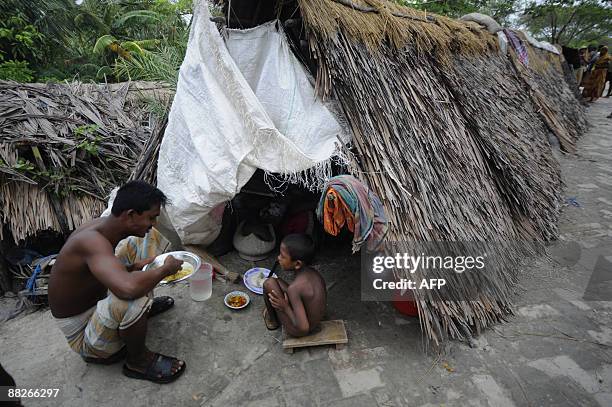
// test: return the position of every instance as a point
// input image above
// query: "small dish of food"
(236, 300)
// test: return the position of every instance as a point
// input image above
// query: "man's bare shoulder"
(91, 225)
(89, 240)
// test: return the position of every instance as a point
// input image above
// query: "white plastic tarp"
(503, 42)
(492, 26)
(237, 108)
(541, 44)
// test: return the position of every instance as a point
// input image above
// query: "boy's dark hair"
(139, 196)
(300, 247)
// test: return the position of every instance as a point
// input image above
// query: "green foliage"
(23, 166)
(103, 43)
(86, 129)
(54, 176)
(61, 40)
(162, 65)
(115, 40)
(569, 22)
(500, 10)
(34, 30)
(451, 8)
(20, 40)
(104, 73)
(148, 44)
(155, 106)
(139, 17)
(90, 139)
(133, 47)
(17, 71)
(91, 146)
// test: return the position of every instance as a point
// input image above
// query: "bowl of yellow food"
(191, 263)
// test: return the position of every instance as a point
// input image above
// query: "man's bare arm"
(113, 274)
(139, 265)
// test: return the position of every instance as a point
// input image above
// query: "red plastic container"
(405, 304)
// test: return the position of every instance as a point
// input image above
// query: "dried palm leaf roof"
(564, 117)
(398, 26)
(457, 151)
(64, 147)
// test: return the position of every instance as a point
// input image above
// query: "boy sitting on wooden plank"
(299, 306)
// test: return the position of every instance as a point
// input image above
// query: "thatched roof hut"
(64, 147)
(452, 134)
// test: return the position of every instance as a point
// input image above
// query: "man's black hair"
(139, 196)
(300, 247)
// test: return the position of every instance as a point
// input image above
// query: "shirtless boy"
(298, 306)
(103, 306)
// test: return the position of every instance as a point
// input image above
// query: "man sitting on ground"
(102, 306)
(298, 306)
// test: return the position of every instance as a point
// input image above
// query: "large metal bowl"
(188, 257)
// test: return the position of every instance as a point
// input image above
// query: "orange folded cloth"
(336, 214)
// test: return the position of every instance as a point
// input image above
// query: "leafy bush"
(16, 71)
(21, 40)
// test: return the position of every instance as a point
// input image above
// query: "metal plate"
(188, 257)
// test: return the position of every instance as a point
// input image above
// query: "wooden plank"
(219, 268)
(331, 333)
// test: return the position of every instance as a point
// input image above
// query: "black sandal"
(112, 359)
(160, 365)
(160, 304)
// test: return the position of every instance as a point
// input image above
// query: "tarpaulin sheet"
(238, 107)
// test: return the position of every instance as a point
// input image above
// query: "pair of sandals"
(160, 367)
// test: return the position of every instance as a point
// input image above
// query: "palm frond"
(90, 19)
(162, 65)
(103, 72)
(140, 17)
(132, 47)
(103, 43)
(148, 44)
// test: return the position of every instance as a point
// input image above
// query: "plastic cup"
(200, 283)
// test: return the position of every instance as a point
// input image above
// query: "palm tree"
(141, 44)
(103, 39)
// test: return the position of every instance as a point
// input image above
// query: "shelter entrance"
(266, 210)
